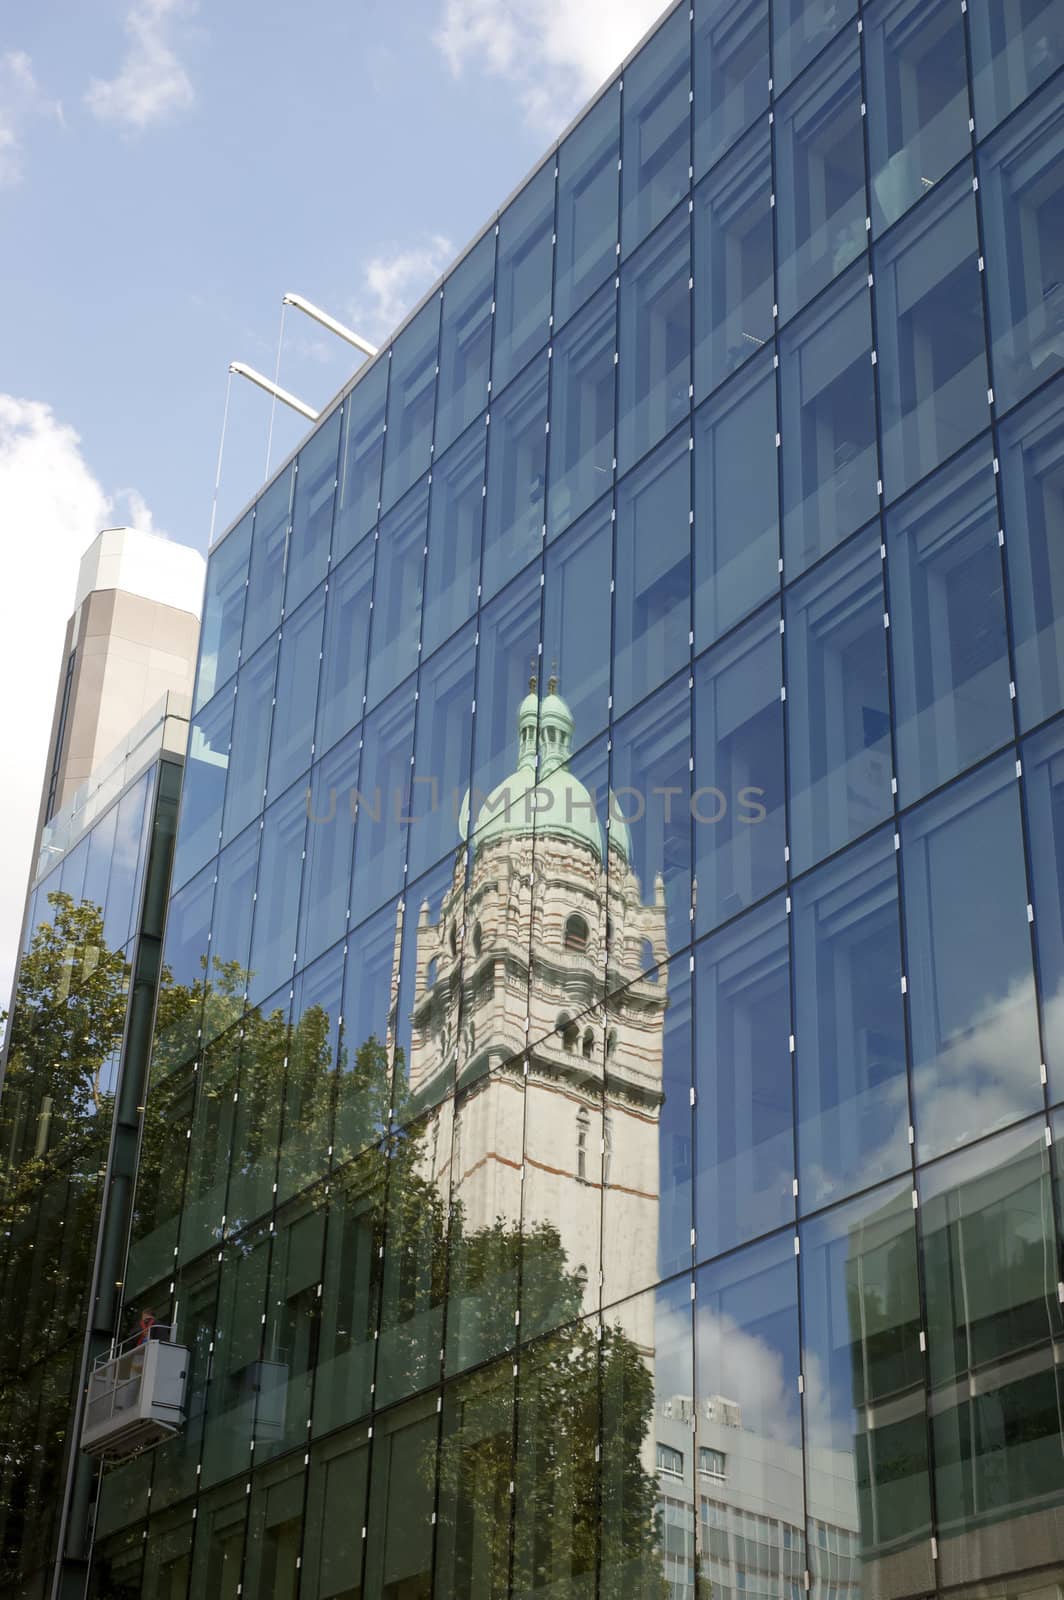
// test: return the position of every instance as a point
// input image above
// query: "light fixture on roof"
(243, 371)
(331, 323)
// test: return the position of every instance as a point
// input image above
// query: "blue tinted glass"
(853, 1111)
(861, 1335)
(1043, 770)
(203, 789)
(509, 654)
(441, 751)
(223, 611)
(576, 620)
(820, 188)
(269, 539)
(652, 615)
(358, 495)
(838, 706)
(744, 1134)
(587, 206)
(731, 74)
(296, 695)
(947, 626)
(733, 263)
(917, 101)
(1015, 47)
(583, 381)
(383, 803)
(365, 1054)
(273, 934)
(828, 424)
(233, 903)
(971, 998)
(397, 593)
(650, 784)
(430, 1039)
(655, 340)
(411, 402)
(127, 862)
(304, 1153)
(100, 846)
(465, 342)
(657, 129)
(801, 29)
(932, 356)
(1021, 178)
(738, 803)
(517, 463)
(312, 512)
(343, 669)
(246, 789)
(522, 280)
(456, 512)
(330, 804)
(187, 926)
(1032, 478)
(736, 529)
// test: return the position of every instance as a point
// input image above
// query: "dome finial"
(533, 679)
(552, 685)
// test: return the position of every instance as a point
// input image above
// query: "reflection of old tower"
(548, 915)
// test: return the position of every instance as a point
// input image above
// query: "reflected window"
(657, 130)
(733, 263)
(801, 29)
(652, 607)
(1043, 767)
(345, 646)
(1016, 45)
(583, 380)
(206, 765)
(731, 70)
(465, 343)
(273, 939)
(712, 1463)
(246, 785)
(655, 341)
(313, 498)
(383, 804)
(576, 933)
(1032, 479)
(583, 1127)
(411, 402)
(269, 542)
(361, 454)
(223, 614)
(456, 511)
(586, 250)
(650, 786)
(517, 465)
(295, 695)
(523, 277)
(330, 795)
(442, 751)
(397, 594)
(669, 1460)
(576, 620)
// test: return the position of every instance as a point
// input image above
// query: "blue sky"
(168, 169)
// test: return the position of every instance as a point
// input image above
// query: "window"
(583, 382)
(360, 460)
(712, 1462)
(589, 1044)
(1016, 45)
(587, 206)
(522, 290)
(583, 1127)
(398, 593)
(576, 933)
(223, 612)
(801, 29)
(269, 540)
(733, 263)
(731, 74)
(657, 130)
(517, 467)
(655, 341)
(313, 499)
(1032, 477)
(465, 343)
(411, 402)
(607, 1133)
(652, 607)
(670, 1460)
(456, 511)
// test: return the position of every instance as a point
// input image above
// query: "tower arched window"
(576, 932)
(611, 1041)
(589, 1044)
(570, 1032)
(430, 974)
(454, 941)
(478, 940)
(583, 1130)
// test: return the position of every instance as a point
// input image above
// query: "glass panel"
(733, 263)
(583, 382)
(411, 402)
(828, 424)
(522, 282)
(128, 860)
(442, 751)
(223, 611)
(1016, 45)
(517, 464)
(647, 1515)
(383, 804)
(801, 29)
(331, 807)
(655, 341)
(399, 1534)
(246, 789)
(257, 1129)
(456, 511)
(465, 342)
(731, 74)
(310, 1082)
(358, 498)
(413, 1275)
(290, 1339)
(295, 695)
(344, 647)
(509, 653)
(947, 626)
(932, 356)
(485, 1241)
(993, 1321)
(917, 101)
(737, 535)
(365, 1089)
(237, 1365)
(866, 1412)
(336, 1516)
(210, 1145)
(838, 704)
(556, 1476)
(312, 512)
(576, 620)
(738, 804)
(853, 1111)
(269, 545)
(820, 186)
(231, 931)
(275, 1534)
(350, 1289)
(167, 1555)
(1043, 770)
(1032, 480)
(1021, 177)
(475, 1472)
(971, 999)
(748, 1410)
(432, 1018)
(219, 1549)
(652, 616)
(398, 593)
(586, 251)
(203, 792)
(744, 1118)
(273, 938)
(657, 130)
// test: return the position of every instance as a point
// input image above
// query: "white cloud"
(151, 83)
(20, 99)
(137, 512)
(553, 52)
(394, 283)
(51, 507)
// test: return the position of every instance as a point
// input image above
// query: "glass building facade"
(75, 1067)
(605, 1109)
